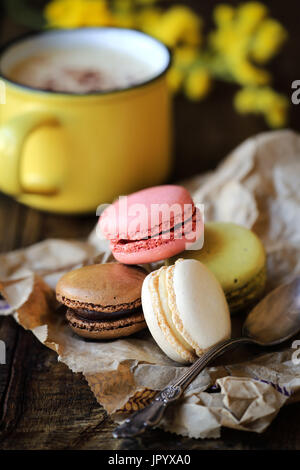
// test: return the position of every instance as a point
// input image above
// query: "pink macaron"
(152, 224)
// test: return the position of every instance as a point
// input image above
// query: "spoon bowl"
(275, 318)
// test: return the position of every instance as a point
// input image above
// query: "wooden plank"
(45, 405)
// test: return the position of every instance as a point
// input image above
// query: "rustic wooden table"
(43, 405)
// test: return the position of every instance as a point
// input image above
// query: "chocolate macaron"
(103, 300)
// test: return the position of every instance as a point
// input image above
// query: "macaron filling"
(164, 300)
(92, 315)
(91, 307)
(161, 306)
(77, 322)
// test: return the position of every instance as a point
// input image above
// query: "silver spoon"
(275, 319)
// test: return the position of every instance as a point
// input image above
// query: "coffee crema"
(83, 70)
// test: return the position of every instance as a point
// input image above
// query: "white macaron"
(185, 309)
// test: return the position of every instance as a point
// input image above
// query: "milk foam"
(81, 70)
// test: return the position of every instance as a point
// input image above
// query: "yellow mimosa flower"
(268, 40)
(146, 2)
(249, 16)
(185, 55)
(122, 5)
(247, 74)
(277, 117)
(245, 100)
(263, 100)
(125, 20)
(77, 13)
(244, 37)
(175, 79)
(178, 24)
(197, 84)
(223, 15)
(148, 19)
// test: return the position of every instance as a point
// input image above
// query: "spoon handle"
(151, 415)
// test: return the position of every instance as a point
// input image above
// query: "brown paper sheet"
(256, 186)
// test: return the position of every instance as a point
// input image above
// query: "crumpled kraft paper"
(257, 186)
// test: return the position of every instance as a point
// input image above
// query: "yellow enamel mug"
(68, 153)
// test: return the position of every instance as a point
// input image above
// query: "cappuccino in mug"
(80, 70)
(87, 117)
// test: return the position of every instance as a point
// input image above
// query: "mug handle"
(13, 135)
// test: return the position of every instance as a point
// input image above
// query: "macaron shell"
(236, 257)
(233, 253)
(200, 309)
(247, 295)
(103, 287)
(119, 220)
(150, 255)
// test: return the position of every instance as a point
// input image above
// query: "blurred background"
(234, 63)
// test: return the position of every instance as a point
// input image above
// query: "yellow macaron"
(237, 258)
